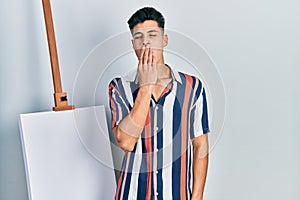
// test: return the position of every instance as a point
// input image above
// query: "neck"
(163, 71)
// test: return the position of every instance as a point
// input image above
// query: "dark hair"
(146, 13)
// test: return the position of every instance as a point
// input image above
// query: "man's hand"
(130, 128)
(147, 72)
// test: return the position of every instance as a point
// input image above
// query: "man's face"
(149, 34)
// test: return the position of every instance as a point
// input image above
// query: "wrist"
(146, 89)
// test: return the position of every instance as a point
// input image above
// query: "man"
(160, 120)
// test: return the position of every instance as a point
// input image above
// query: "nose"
(146, 41)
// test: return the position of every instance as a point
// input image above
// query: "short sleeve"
(117, 102)
(199, 123)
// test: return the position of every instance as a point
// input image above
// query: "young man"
(160, 120)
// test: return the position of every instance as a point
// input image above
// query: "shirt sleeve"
(118, 107)
(199, 123)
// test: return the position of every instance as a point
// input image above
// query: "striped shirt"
(160, 166)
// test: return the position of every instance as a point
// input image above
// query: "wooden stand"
(60, 98)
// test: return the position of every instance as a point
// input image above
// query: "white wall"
(255, 45)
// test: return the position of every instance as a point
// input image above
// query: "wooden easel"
(60, 98)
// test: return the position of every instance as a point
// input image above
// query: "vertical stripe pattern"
(160, 166)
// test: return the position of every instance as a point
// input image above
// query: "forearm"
(200, 165)
(130, 129)
(141, 105)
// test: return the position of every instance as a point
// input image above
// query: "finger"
(141, 57)
(154, 60)
(153, 57)
(145, 57)
(150, 58)
(142, 52)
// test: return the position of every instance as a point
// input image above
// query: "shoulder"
(123, 79)
(193, 84)
(190, 80)
(114, 83)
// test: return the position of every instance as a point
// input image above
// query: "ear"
(165, 40)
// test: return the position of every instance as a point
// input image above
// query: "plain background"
(255, 45)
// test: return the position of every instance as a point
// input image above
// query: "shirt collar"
(132, 76)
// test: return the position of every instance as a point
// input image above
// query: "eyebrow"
(137, 33)
(150, 31)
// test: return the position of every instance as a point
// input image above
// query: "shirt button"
(156, 129)
(156, 150)
(156, 172)
(156, 193)
(156, 108)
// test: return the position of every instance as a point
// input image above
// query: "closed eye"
(138, 37)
